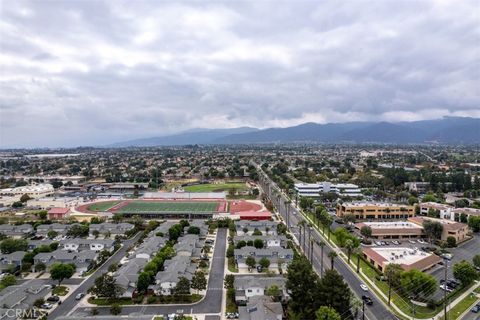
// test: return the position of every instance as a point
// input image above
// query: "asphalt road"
(69, 303)
(377, 310)
(211, 303)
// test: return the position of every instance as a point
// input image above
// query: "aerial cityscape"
(251, 160)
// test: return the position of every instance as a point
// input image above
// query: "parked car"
(445, 287)
(412, 241)
(259, 268)
(364, 287)
(53, 299)
(396, 242)
(46, 306)
(421, 241)
(476, 308)
(367, 300)
(378, 243)
(79, 296)
(447, 256)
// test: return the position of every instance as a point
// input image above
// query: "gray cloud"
(92, 72)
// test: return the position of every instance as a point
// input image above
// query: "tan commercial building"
(375, 211)
(407, 258)
(451, 228)
(393, 229)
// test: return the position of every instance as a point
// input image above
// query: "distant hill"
(193, 136)
(449, 130)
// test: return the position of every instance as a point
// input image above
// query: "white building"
(33, 191)
(314, 189)
(54, 202)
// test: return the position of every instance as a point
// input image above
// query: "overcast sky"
(91, 72)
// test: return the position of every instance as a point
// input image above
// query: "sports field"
(216, 187)
(168, 206)
(102, 206)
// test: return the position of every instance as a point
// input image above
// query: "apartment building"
(375, 211)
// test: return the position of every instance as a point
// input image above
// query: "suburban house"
(268, 241)
(244, 227)
(60, 228)
(276, 255)
(261, 308)
(199, 224)
(11, 260)
(247, 287)
(82, 260)
(14, 231)
(174, 269)
(79, 244)
(149, 248)
(189, 246)
(21, 296)
(127, 275)
(111, 228)
(33, 244)
(163, 228)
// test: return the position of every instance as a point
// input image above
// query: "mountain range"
(448, 130)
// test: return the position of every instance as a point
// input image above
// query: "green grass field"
(102, 206)
(216, 187)
(137, 206)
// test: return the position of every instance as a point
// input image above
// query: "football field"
(167, 206)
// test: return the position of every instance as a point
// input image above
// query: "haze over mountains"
(449, 130)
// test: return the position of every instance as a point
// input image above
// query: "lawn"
(168, 206)
(462, 306)
(102, 206)
(60, 290)
(216, 187)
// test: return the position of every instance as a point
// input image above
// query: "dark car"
(53, 299)
(367, 300)
(476, 309)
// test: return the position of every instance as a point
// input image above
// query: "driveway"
(211, 303)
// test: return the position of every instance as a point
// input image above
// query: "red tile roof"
(58, 211)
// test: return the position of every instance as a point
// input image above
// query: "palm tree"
(332, 255)
(287, 211)
(321, 243)
(301, 226)
(358, 252)
(349, 246)
(328, 222)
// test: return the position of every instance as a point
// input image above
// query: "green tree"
(366, 231)
(349, 218)
(474, 223)
(199, 281)
(143, 281)
(78, 231)
(107, 287)
(264, 262)
(429, 197)
(258, 243)
(451, 242)
(11, 245)
(24, 198)
(417, 283)
(274, 292)
(183, 286)
(38, 303)
(327, 313)
(42, 214)
(257, 232)
(17, 204)
(433, 229)
(241, 244)
(115, 309)
(332, 255)
(193, 230)
(302, 284)
(334, 292)
(8, 280)
(350, 247)
(476, 260)
(464, 272)
(40, 267)
(229, 281)
(52, 234)
(250, 262)
(61, 271)
(175, 232)
(95, 233)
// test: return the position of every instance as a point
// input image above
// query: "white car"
(412, 241)
(446, 288)
(364, 287)
(395, 242)
(421, 241)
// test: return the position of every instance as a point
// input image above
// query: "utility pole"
(363, 309)
(445, 287)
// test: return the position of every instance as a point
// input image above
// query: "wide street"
(210, 304)
(378, 309)
(70, 302)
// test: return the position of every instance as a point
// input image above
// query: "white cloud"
(97, 72)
